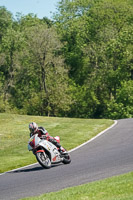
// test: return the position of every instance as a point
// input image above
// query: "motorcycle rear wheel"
(43, 159)
(66, 159)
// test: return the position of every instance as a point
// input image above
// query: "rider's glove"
(43, 137)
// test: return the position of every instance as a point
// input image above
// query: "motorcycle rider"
(43, 134)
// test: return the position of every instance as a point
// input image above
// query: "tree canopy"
(80, 64)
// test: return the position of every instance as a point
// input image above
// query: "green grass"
(115, 188)
(14, 135)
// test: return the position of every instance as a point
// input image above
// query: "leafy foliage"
(77, 65)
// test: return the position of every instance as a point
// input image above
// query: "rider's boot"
(62, 150)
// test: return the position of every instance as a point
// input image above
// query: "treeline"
(80, 64)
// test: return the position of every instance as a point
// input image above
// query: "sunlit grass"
(115, 188)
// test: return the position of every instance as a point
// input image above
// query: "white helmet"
(33, 127)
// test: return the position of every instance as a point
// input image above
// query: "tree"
(5, 21)
(99, 35)
(11, 45)
(44, 71)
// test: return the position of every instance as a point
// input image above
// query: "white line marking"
(115, 122)
(18, 169)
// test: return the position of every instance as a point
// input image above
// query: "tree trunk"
(44, 86)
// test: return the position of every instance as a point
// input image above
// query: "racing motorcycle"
(47, 153)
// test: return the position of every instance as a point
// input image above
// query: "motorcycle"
(47, 153)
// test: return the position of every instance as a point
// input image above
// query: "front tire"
(43, 159)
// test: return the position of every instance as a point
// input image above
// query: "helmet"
(33, 127)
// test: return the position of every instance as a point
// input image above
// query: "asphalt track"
(107, 155)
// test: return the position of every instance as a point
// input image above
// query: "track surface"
(108, 155)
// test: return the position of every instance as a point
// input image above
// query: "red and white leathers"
(42, 133)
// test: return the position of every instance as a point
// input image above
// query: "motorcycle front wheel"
(43, 159)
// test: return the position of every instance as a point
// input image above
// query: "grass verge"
(14, 135)
(115, 188)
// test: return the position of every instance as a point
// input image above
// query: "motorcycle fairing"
(52, 149)
(35, 142)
